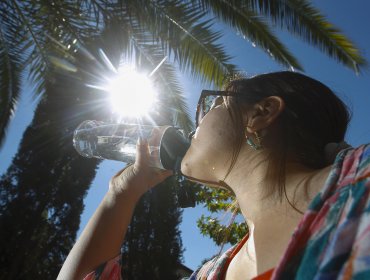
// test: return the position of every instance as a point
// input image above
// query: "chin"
(186, 167)
(195, 171)
(199, 177)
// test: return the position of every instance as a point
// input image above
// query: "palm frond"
(183, 31)
(31, 45)
(303, 20)
(10, 80)
(96, 10)
(71, 22)
(252, 26)
(175, 97)
(62, 21)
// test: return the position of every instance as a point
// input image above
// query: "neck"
(248, 182)
(271, 221)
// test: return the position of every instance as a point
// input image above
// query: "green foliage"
(10, 79)
(216, 200)
(303, 20)
(219, 227)
(255, 20)
(250, 24)
(230, 233)
(26, 29)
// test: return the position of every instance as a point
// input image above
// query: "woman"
(271, 140)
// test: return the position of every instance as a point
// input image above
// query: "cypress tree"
(42, 192)
(153, 247)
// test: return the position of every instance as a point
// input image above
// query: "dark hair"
(313, 117)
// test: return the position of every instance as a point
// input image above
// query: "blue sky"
(350, 16)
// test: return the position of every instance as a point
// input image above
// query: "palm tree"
(30, 30)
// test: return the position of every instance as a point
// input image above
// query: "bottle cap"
(172, 149)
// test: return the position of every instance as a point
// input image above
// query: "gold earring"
(256, 146)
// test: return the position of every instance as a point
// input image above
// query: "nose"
(191, 134)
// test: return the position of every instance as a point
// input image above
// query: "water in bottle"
(167, 145)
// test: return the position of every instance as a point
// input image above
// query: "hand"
(139, 177)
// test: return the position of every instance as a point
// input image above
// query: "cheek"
(209, 156)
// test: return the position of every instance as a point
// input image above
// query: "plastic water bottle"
(167, 145)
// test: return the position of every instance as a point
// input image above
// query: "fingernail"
(140, 140)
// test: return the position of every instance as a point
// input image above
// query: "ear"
(262, 114)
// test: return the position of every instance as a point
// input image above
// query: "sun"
(132, 94)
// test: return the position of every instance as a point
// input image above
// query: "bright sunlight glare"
(131, 93)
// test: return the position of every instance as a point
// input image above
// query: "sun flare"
(132, 94)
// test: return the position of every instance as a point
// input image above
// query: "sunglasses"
(211, 98)
(207, 101)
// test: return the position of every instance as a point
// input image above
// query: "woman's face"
(210, 153)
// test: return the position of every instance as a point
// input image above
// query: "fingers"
(151, 175)
(142, 152)
(163, 174)
(140, 177)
